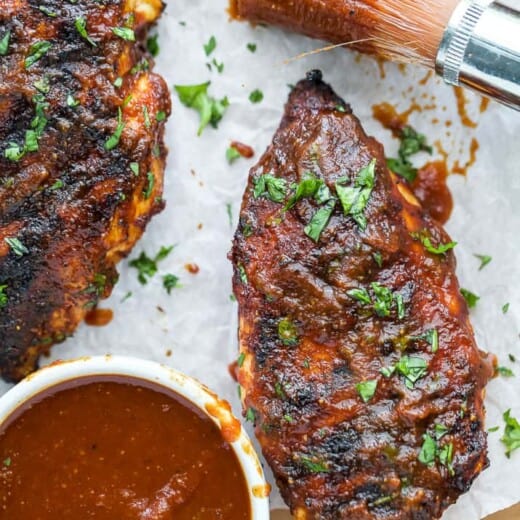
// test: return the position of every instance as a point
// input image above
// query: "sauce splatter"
(432, 191)
(261, 491)
(99, 317)
(426, 78)
(461, 108)
(462, 169)
(484, 103)
(229, 425)
(192, 268)
(243, 149)
(233, 370)
(388, 116)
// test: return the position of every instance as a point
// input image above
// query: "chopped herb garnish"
(42, 85)
(36, 52)
(210, 109)
(425, 240)
(126, 296)
(113, 140)
(367, 389)
(471, 298)
(320, 220)
(229, 211)
(270, 187)
(505, 308)
(361, 295)
(118, 82)
(378, 258)
(387, 371)
(256, 96)
(170, 281)
(484, 260)
(3, 296)
(411, 143)
(232, 154)
(287, 332)
(210, 46)
(355, 198)
(81, 27)
(232, 298)
(511, 437)
(152, 45)
(71, 102)
(383, 299)
(218, 66)
(412, 368)
(493, 429)
(146, 117)
(313, 464)
(4, 43)
(308, 187)
(445, 455)
(505, 371)
(149, 185)
(241, 359)
(440, 431)
(7, 462)
(428, 450)
(242, 273)
(250, 415)
(135, 168)
(511, 358)
(251, 47)
(14, 152)
(340, 108)
(146, 266)
(47, 11)
(125, 33)
(57, 185)
(160, 116)
(16, 246)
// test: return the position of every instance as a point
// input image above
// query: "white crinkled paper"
(197, 322)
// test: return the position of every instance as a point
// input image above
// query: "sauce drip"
(392, 120)
(192, 268)
(432, 191)
(122, 448)
(243, 149)
(461, 108)
(463, 169)
(99, 317)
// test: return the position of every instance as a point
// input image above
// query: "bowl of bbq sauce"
(122, 438)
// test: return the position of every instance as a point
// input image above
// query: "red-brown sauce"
(430, 188)
(117, 448)
(461, 108)
(392, 120)
(463, 168)
(99, 317)
(192, 268)
(243, 149)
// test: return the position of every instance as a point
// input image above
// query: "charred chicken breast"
(358, 364)
(81, 161)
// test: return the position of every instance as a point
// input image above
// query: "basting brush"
(473, 43)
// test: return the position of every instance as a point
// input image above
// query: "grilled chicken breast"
(358, 364)
(81, 161)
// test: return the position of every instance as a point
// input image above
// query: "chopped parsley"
(81, 27)
(471, 298)
(440, 431)
(71, 102)
(146, 266)
(251, 47)
(287, 332)
(16, 246)
(493, 429)
(242, 274)
(146, 116)
(430, 452)
(367, 389)
(505, 371)
(232, 154)
(270, 187)
(3, 296)
(218, 66)
(7, 462)
(229, 211)
(320, 220)
(313, 464)
(484, 260)
(149, 185)
(47, 11)
(36, 52)
(378, 258)
(152, 45)
(511, 437)
(355, 198)
(134, 167)
(256, 96)
(383, 300)
(240, 360)
(505, 308)
(170, 281)
(118, 82)
(4, 43)
(412, 368)
(113, 140)
(57, 185)
(360, 294)
(411, 143)
(125, 33)
(210, 109)
(424, 238)
(160, 116)
(250, 415)
(309, 186)
(42, 85)
(210, 46)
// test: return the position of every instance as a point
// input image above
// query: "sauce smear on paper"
(117, 448)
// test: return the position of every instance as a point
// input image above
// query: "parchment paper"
(197, 322)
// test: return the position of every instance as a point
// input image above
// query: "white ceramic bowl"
(162, 375)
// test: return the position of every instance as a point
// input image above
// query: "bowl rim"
(151, 371)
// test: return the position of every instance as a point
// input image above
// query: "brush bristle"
(401, 30)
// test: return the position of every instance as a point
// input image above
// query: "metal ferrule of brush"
(480, 49)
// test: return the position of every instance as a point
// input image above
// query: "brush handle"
(480, 49)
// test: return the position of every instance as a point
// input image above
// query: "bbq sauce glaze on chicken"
(358, 364)
(81, 161)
